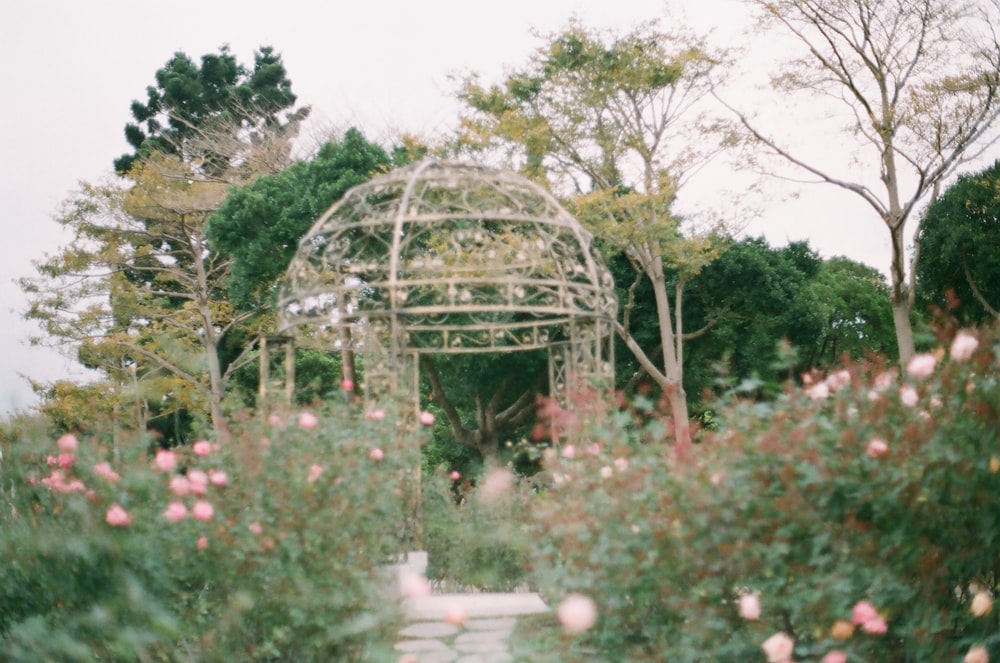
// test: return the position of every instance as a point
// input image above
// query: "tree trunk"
(673, 371)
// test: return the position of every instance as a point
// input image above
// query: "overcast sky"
(70, 69)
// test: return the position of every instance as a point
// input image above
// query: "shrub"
(859, 515)
(264, 549)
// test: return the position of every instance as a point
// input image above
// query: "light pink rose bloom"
(179, 486)
(977, 654)
(863, 611)
(921, 365)
(621, 464)
(836, 656)
(818, 392)
(877, 448)
(51, 460)
(256, 528)
(838, 380)
(594, 449)
(347, 384)
(426, 419)
(202, 448)
(909, 396)
(778, 648)
(749, 606)
(376, 454)
(104, 471)
(202, 542)
(218, 478)
(577, 613)
(875, 626)
(377, 414)
(117, 516)
(569, 451)
(963, 346)
(314, 473)
(982, 603)
(497, 483)
(66, 460)
(274, 419)
(455, 615)
(68, 443)
(175, 512)
(165, 460)
(308, 421)
(202, 511)
(455, 475)
(607, 472)
(413, 585)
(197, 482)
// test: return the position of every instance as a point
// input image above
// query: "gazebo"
(445, 258)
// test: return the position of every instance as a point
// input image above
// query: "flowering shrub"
(264, 549)
(857, 521)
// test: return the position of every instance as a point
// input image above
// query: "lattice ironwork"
(449, 258)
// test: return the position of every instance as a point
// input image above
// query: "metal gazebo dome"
(450, 258)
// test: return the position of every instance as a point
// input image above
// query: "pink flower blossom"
(256, 528)
(921, 365)
(594, 449)
(202, 542)
(818, 392)
(621, 464)
(51, 460)
(455, 475)
(274, 419)
(836, 656)
(606, 472)
(66, 460)
(963, 346)
(877, 448)
(308, 421)
(778, 648)
(577, 613)
(202, 448)
(314, 473)
(104, 471)
(413, 585)
(426, 418)
(497, 483)
(218, 478)
(175, 512)
(68, 443)
(569, 451)
(347, 384)
(875, 626)
(376, 454)
(117, 516)
(179, 486)
(749, 606)
(908, 396)
(202, 510)
(838, 380)
(165, 460)
(455, 615)
(377, 414)
(863, 611)
(982, 603)
(197, 482)
(977, 654)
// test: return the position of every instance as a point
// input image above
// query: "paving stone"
(433, 657)
(429, 630)
(484, 636)
(491, 647)
(498, 657)
(421, 646)
(497, 623)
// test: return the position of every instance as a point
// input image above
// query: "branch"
(977, 294)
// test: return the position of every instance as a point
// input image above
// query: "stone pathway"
(463, 628)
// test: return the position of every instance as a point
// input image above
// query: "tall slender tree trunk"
(673, 369)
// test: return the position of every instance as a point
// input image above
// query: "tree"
(610, 123)
(959, 243)
(919, 79)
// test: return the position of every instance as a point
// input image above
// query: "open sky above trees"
(71, 70)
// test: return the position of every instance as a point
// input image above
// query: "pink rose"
(963, 346)
(569, 451)
(778, 648)
(577, 613)
(202, 511)
(621, 464)
(982, 603)
(836, 656)
(875, 626)
(606, 472)
(202, 448)
(818, 392)
(977, 654)
(455, 615)
(909, 396)
(104, 471)
(274, 419)
(375, 415)
(308, 421)
(314, 473)
(921, 365)
(749, 606)
(838, 380)
(165, 460)
(376, 454)
(426, 418)
(197, 482)
(218, 478)
(256, 528)
(66, 460)
(863, 611)
(413, 585)
(117, 516)
(202, 542)
(877, 448)
(495, 484)
(175, 512)
(455, 475)
(179, 486)
(68, 443)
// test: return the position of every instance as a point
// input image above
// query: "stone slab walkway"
(463, 628)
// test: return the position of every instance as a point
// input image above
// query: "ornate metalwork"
(448, 258)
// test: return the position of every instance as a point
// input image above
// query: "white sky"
(70, 68)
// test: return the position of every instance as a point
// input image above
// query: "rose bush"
(265, 549)
(863, 519)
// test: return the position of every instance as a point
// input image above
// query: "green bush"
(868, 496)
(276, 560)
